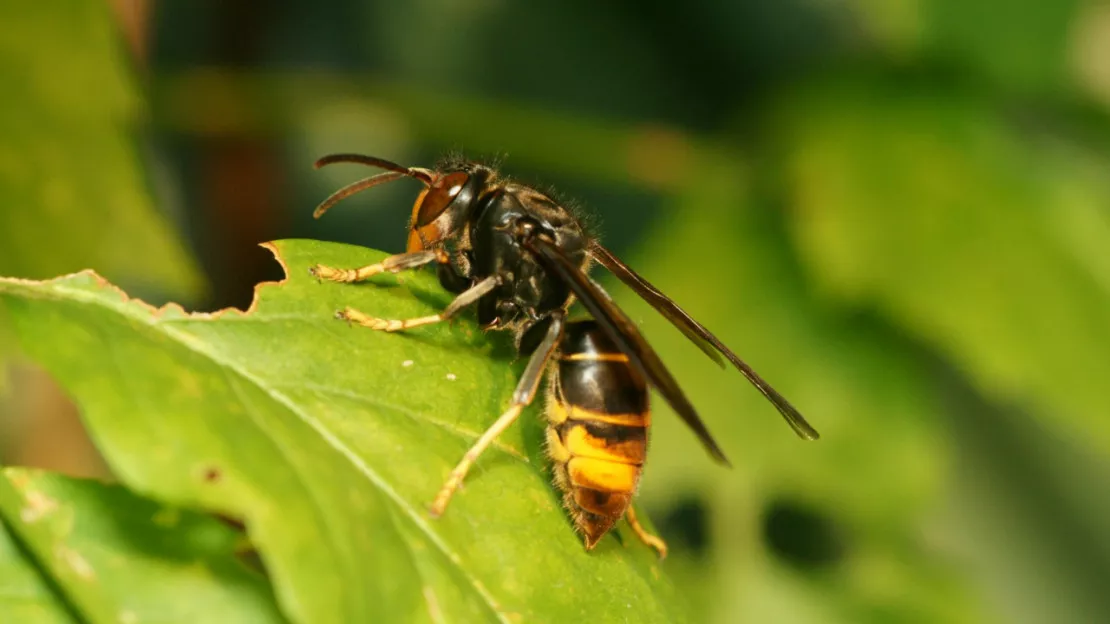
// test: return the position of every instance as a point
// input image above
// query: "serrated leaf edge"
(132, 306)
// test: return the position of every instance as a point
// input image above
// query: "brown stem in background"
(134, 22)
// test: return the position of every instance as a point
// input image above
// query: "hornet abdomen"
(597, 435)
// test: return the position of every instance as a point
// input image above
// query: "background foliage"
(895, 210)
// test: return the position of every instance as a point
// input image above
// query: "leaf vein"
(192, 342)
(318, 507)
(448, 426)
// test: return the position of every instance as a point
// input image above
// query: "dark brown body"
(482, 232)
(597, 434)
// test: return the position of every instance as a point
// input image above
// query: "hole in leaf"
(685, 527)
(802, 535)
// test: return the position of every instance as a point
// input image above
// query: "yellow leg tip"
(439, 505)
(382, 324)
(352, 315)
(659, 545)
(647, 538)
(322, 272)
(344, 276)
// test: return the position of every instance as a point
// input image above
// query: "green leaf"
(1016, 44)
(330, 442)
(120, 558)
(25, 596)
(1022, 517)
(986, 243)
(72, 191)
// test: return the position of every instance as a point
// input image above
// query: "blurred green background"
(897, 210)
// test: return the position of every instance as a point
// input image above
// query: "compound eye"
(437, 198)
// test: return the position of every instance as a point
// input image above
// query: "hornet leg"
(645, 537)
(468, 297)
(392, 264)
(522, 397)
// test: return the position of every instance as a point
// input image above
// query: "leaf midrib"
(129, 307)
(447, 426)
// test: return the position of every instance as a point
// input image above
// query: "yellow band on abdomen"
(606, 476)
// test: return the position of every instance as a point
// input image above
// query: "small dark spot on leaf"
(250, 558)
(685, 526)
(212, 474)
(234, 523)
(801, 535)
